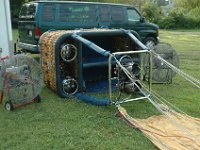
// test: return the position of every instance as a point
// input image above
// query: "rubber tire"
(9, 106)
(150, 40)
(37, 99)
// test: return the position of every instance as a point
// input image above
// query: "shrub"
(151, 12)
(177, 19)
(166, 23)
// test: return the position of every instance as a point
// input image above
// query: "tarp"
(181, 132)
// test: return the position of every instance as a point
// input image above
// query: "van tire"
(150, 42)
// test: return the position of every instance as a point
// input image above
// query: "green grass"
(188, 48)
(57, 123)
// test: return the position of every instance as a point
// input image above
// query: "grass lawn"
(58, 123)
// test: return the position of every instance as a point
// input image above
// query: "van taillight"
(37, 32)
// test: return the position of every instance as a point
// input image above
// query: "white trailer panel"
(6, 39)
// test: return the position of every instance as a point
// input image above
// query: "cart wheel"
(37, 99)
(9, 106)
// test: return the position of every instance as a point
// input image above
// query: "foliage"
(15, 7)
(151, 12)
(179, 19)
(188, 5)
(161, 2)
(194, 13)
(185, 14)
(137, 3)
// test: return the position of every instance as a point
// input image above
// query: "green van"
(37, 17)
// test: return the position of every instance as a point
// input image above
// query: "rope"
(166, 103)
(133, 124)
(171, 118)
(128, 121)
(157, 105)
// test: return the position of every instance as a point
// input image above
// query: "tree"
(151, 12)
(15, 7)
(137, 3)
(162, 2)
(190, 8)
(187, 4)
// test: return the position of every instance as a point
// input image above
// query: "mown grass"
(181, 93)
(57, 123)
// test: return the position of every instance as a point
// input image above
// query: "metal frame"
(110, 75)
(78, 37)
(164, 82)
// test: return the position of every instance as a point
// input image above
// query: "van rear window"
(28, 12)
(48, 12)
(77, 13)
(23, 12)
(117, 14)
(31, 11)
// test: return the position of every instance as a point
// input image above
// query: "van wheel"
(150, 42)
